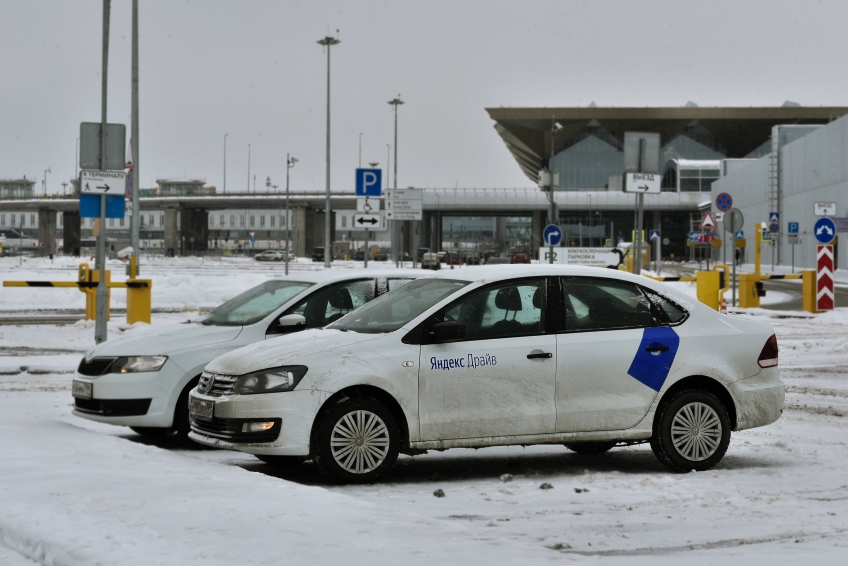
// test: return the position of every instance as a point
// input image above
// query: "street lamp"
(248, 169)
(44, 181)
(395, 234)
(360, 150)
(268, 184)
(225, 162)
(328, 42)
(290, 161)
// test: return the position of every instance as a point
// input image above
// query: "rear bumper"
(759, 399)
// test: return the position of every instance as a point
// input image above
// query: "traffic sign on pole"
(404, 204)
(369, 183)
(774, 222)
(824, 208)
(708, 223)
(724, 202)
(824, 230)
(824, 278)
(552, 235)
(368, 205)
(374, 222)
(102, 182)
(653, 234)
(792, 227)
(643, 183)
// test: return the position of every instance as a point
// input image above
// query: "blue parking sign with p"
(369, 182)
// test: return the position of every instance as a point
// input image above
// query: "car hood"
(166, 340)
(295, 348)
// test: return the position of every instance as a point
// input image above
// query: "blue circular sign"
(552, 235)
(724, 202)
(824, 230)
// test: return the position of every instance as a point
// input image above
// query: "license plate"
(81, 389)
(201, 409)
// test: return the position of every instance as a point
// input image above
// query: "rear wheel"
(691, 431)
(357, 440)
(590, 447)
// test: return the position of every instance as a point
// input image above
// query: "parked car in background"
(430, 261)
(452, 258)
(318, 254)
(142, 380)
(381, 256)
(420, 253)
(359, 256)
(270, 255)
(497, 261)
(520, 258)
(471, 258)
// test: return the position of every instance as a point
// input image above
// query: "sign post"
(368, 184)
(552, 235)
(733, 221)
(641, 155)
(792, 239)
(824, 231)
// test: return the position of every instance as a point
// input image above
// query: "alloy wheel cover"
(359, 442)
(696, 431)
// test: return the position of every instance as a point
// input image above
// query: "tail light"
(768, 357)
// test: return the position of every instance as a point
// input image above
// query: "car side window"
(396, 282)
(505, 310)
(331, 303)
(667, 311)
(593, 304)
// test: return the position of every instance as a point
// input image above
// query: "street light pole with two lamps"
(395, 232)
(328, 42)
(290, 161)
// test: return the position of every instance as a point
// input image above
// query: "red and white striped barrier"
(824, 278)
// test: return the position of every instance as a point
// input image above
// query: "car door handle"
(542, 356)
(657, 349)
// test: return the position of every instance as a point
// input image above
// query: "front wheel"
(691, 431)
(357, 441)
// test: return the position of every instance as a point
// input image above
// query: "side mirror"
(450, 331)
(292, 323)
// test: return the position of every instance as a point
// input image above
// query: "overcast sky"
(253, 70)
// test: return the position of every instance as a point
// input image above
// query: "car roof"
(510, 271)
(346, 274)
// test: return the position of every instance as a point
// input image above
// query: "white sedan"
(498, 355)
(142, 380)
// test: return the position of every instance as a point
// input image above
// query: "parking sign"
(369, 182)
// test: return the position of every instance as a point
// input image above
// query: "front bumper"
(759, 399)
(295, 411)
(113, 396)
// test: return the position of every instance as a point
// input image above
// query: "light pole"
(64, 189)
(268, 184)
(328, 42)
(388, 163)
(360, 150)
(44, 181)
(76, 162)
(225, 162)
(373, 165)
(248, 168)
(395, 232)
(290, 161)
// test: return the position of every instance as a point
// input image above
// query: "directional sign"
(792, 227)
(369, 222)
(740, 235)
(404, 204)
(824, 230)
(792, 239)
(724, 202)
(369, 182)
(774, 222)
(824, 278)
(824, 208)
(552, 235)
(841, 224)
(645, 183)
(653, 235)
(368, 205)
(102, 182)
(719, 216)
(90, 206)
(708, 223)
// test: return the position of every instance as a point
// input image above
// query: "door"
(500, 379)
(612, 358)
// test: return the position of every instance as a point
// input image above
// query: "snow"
(77, 492)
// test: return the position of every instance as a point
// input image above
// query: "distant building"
(16, 188)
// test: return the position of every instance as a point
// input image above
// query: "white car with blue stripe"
(488, 356)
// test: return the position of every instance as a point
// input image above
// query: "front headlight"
(135, 364)
(272, 380)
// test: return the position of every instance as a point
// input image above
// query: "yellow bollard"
(84, 276)
(748, 295)
(138, 300)
(708, 288)
(809, 287)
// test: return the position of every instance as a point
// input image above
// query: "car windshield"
(255, 304)
(396, 308)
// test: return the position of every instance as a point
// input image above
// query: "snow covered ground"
(76, 492)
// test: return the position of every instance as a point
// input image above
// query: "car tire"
(691, 431)
(341, 450)
(282, 462)
(590, 447)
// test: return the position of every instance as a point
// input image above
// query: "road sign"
(824, 230)
(824, 278)
(639, 156)
(824, 208)
(369, 182)
(90, 206)
(653, 235)
(116, 141)
(645, 183)
(841, 224)
(708, 223)
(367, 205)
(252, 240)
(404, 204)
(369, 221)
(102, 182)
(767, 236)
(733, 220)
(774, 222)
(792, 227)
(598, 257)
(792, 239)
(552, 235)
(740, 235)
(719, 216)
(724, 202)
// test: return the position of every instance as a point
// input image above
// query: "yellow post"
(138, 300)
(133, 268)
(708, 286)
(757, 256)
(628, 264)
(718, 268)
(84, 276)
(808, 284)
(748, 296)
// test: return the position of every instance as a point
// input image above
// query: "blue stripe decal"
(652, 368)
